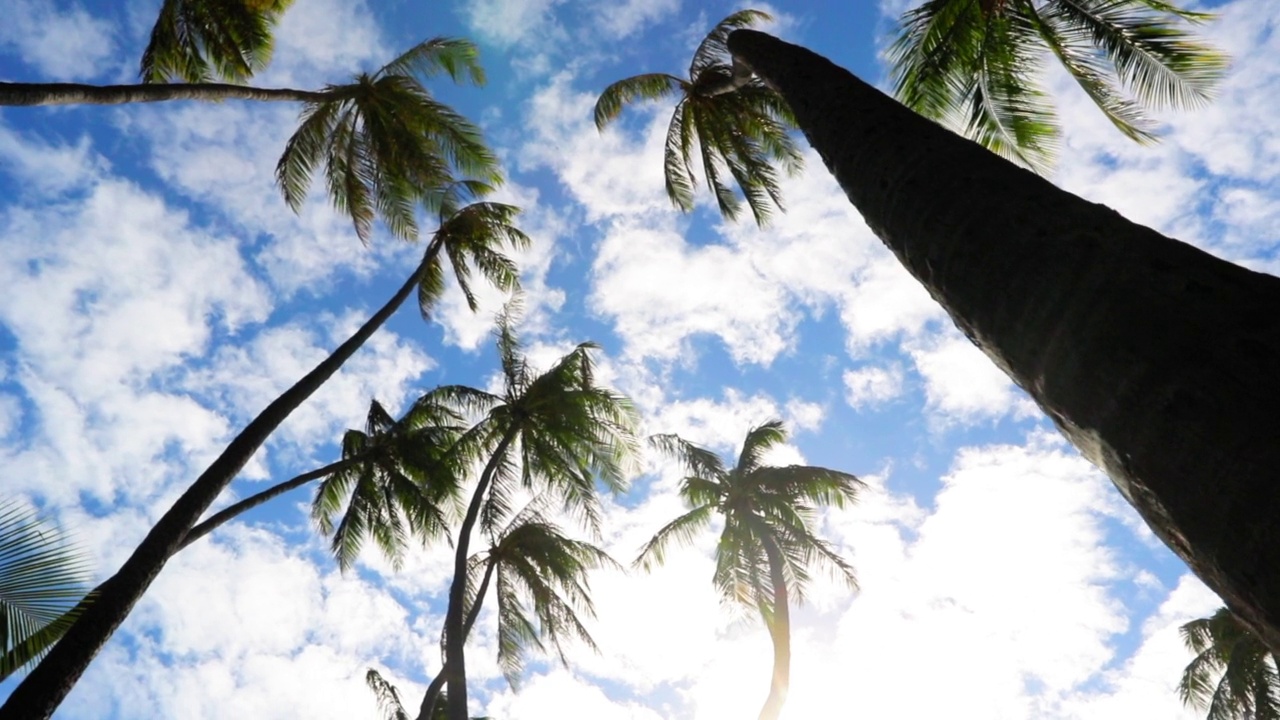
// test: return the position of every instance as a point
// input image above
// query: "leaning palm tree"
(1151, 356)
(472, 238)
(557, 432)
(744, 132)
(1233, 675)
(42, 580)
(196, 40)
(768, 542)
(977, 66)
(383, 141)
(531, 559)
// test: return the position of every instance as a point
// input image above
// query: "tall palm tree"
(768, 542)
(42, 577)
(473, 235)
(196, 40)
(1153, 357)
(1247, 686)
(977, 65)
(384, 142)
(557, 432)
(745, 132)
(529, 558)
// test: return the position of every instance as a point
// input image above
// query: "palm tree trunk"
(779, 625)
(77, 94)
(1157, 360)
(455, 636)
(428, 708)
(44, 688)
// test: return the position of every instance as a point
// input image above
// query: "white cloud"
(62, 43)
(512, 22)
(962, 384)
(869, 387)
(621, 20)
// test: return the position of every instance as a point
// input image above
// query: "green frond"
(652, 86)
(203, 40)
(389, 703)
(458, 58)
(1233, 674)
(714, 49)
(681, 531)
(676, 158)
(42, 581)
(758, 441)
(695, 459)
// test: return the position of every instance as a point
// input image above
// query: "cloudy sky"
(157, 293)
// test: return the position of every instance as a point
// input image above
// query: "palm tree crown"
(196, 41)
(1247, 686)
(976, 64)
(744, 132)
(768, 542)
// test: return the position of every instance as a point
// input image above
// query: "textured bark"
(77, 94)
(44, 688)
(1157, 360)
(428, 708)
(780, 633)
(455, 636)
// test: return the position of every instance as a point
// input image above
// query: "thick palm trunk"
(77, 94)
(43, 689)
(455, 635)
(1157, 360)
(428, 708)
(780, 633)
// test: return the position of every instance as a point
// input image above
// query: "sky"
(158, 293)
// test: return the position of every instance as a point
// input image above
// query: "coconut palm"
(1151, 356)
(1233, 675)
(529, 558)
(471, 238)
(768, 542)
(383, 141)
(557, 432)
(745, 132)
(196, 40)
(977, 65)
(42, 578)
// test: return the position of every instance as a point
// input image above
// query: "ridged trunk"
(780, 633)
(1160, 362)
(77, 94)
(44, 688)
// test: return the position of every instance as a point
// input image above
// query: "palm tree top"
(1233, 675)
(197, 41)
(743, 133)
(977, 65)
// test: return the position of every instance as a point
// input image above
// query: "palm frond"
(714, 49)
(202, 40)
(389, 703)
(758, 441)
(458, 58)
(652, 86)
(680, 531)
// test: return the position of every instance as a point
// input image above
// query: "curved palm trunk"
(43, 689)
(780, 633)
(1157, 360)
(455, 635)
(77, 94)
(428, 708)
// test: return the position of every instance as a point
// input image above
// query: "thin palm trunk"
(44, 688)
(1157, 360)
(428, 709)
(78, 94)
(780, 633)
(455, 669)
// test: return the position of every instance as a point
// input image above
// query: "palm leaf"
(652, 86)
(201, 40)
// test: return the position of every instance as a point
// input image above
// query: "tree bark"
(1157, 360)
(44, 688)
(77, 94)
(428, 708)
(455, 636)
(780, 633)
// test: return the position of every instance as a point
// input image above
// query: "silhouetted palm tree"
(1233, 675)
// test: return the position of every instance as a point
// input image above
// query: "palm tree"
(194, 40)
(42, 578)
(471, 236)
(976, 64)
(530, 558)
(384, 142)
(746, 131)
(768, 542)
(389, 703)
(1247, 686)
(1153, 357)
(556, 432)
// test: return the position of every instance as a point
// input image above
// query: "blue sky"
(158, 292)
